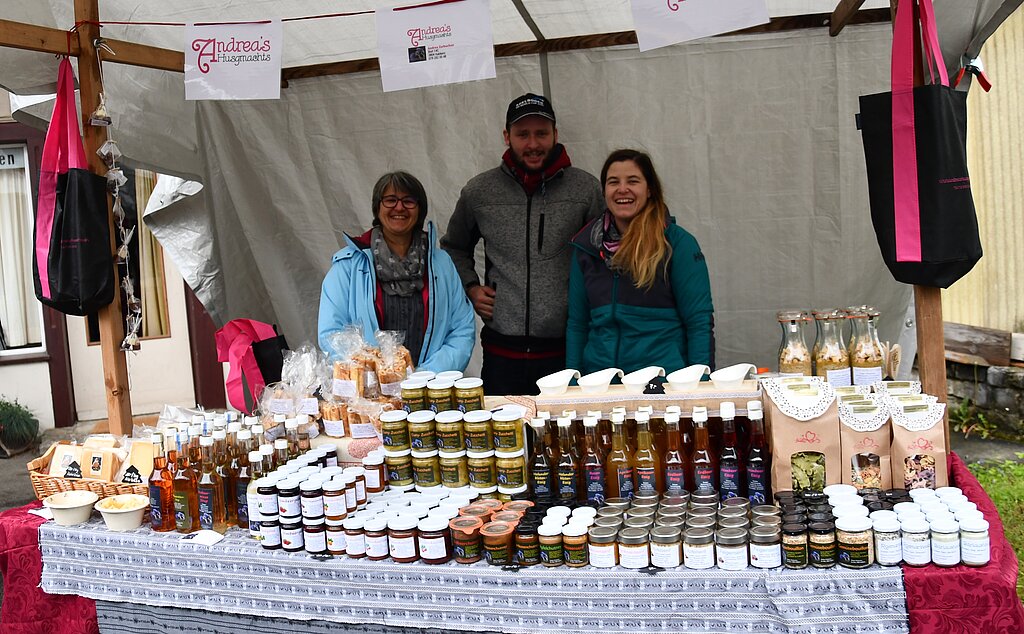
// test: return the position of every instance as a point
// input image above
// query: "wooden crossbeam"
(842, 15)
(42, 39)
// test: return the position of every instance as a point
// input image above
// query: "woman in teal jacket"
(639, 292)
(393, 277)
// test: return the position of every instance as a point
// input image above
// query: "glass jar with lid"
(507, 432)
(794, 546)
(794, 357)
(822, 544)
(394, 431)
(476, 425)
(454, 470)
(975, 545)
(888, 543)
(831, 359)
(867, 357)
(439, 395)
(402, 534)
(634, 552)
(426, 470)
(448, 429)
(469, 394)
(855, 541)
(604, 552)
(731, 548)
(466, 539)
(434, 540)
(945, 543)
(421, 430)
(399, 469)
(414, 395)
(765, 547)
(699, 548)
(666, 547)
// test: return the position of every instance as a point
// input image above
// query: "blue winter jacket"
(349, 289)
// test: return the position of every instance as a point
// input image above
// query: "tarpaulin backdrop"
(754, 137)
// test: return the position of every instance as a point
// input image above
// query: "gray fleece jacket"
(526, 245)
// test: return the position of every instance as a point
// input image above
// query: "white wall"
(29, 384)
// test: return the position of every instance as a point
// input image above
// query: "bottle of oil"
(212, 513)
(242, 471)
(161, 489)
(648, 478)
(618, 468)
(222, 465)
(255, 473)
(568, 463)
(619, 417)
(677, 462)
(758, 458)
(730, 465)
(186, 495)
(704, 463)
(542, 476)
(267, 451)
(593, 464)
(644, 414)
(280, 452)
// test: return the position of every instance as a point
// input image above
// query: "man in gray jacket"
(526, 210)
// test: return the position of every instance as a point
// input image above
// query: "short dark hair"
(400, 182)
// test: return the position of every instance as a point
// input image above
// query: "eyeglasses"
(392, 201)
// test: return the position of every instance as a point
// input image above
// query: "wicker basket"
(46, 485)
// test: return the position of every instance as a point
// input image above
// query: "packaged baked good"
(394, 362)
(333, 414)
(364, 418)
(303, 371)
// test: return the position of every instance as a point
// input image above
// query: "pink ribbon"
(234, 346)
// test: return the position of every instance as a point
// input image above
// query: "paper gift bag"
(803, 420)
(919, 449)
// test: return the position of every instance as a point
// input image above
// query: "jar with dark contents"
(376, 534)
(497, 539)
(314, 534)
(336, 537)
(822, 544)
(402, 545)
(794, 546)
(291, 536)
(435, 540)
(466, 539)
(355, 537)
(527, 545)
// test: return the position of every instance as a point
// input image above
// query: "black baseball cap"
(526, 105)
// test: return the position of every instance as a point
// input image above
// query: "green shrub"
(18, 427)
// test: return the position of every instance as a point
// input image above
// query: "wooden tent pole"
(115, 369)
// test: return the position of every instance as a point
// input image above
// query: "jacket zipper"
(433, 305)
(615, 307)
(526, 320)
(540, 234)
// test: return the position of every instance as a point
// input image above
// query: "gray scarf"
(398, 275)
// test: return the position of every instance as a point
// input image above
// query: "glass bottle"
(866, 355)
(212, 512)
(542, 476)
(291, 434)
(195, 453)
(758, 466)
(618, 468)
(243, 475)
(222, 465)
(676, 460)
(171, 449)
(593, 464)
(267, 452)
(604, 432)
(186, 498)
(648, 478)
(255, 473)
(568, 463)
(729, 463)
(794, 358)
(705, 466)
(161, 490)
(831, 359)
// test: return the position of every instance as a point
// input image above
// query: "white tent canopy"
(753, 134)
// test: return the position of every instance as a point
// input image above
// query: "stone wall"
(997, 392)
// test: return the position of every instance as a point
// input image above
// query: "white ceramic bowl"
(557, 383)
(597, 382)
(123, 512)
(635, 382)
(731, 377)
(71, 507)
(686, 379)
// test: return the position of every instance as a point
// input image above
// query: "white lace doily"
(802, 408)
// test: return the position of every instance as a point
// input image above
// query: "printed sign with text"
(434, 45)
(665, 22)
(233, 61)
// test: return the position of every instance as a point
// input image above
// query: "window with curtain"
(21, 315)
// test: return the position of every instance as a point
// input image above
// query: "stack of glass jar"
(478, 449)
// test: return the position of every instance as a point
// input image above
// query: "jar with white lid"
(355, 537)
(855, 542)
(944, 492)
(945, 543)
(975, 546)
(917, 542)
(402, 534)
(376, 533)
(968, 515)
(888, 541)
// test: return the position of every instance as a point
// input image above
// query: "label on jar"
(594, 478)
(469, 403)
(402, 547)
(450, 474)
(795, 555)
(270, 536)
(867, 376)
(675, 479)
(433, 548)
(511, 476)
(336, 542)
(350, 498)
(506, 438)
(602, 555)
(291, 537)
(289, 506)
(551, 554)
(645, 480)
(765, 555)
(838, 378)
(376, 546)
(267, 504)
(440, 403)
(946, 553)
(624, 482)
(466, 547)
(698, 556)
(666, 555)
(822, 555)
(335, 506)
(423, 440)
(425, 474)
(400, 473)
(528, 555)
(355, 544)
(312, 507)
(396, 438)
(916, 550)
(316, 541)
(888, 550)
(973, 550)
(332, 460)
(413, 401)
(704, 478)
(757, 485)
(541, 481)
(575, 554)
(344, 388)
(729, 481)
(634, 556)
(372, 481)
(206, 508)
(477, 439)
(858, 555)
(360, 491)
(732, 557)
(566, 483)
(449, 439)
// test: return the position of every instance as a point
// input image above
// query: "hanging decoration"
(665, 22)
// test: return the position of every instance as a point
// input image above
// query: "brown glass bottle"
(542, 475)
(758, 465)
(677, 462)
(593, 490)
(705, 467)
(186, 496)
(568, 463)
(243, 475)
(647, 477)
(222, 465)
(618, 468)
(195, 453)
(161, 490)
(210, 491)
(171, 449)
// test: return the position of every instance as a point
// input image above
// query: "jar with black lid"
(527, 551)
(794, 518)
(270, 534)
(314, 534)
(331, 454)
(794, 546)
(822, 544)
(291, 536)
(312, 499)
(820, 517)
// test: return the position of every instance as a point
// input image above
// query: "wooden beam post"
(115, 369)
(842, 15)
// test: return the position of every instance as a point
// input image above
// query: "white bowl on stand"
(598, 382)
(731, 377)
(557, 383)
(686, 379)
(635, 382)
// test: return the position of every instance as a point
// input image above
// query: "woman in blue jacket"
(393, 277)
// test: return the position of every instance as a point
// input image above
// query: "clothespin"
(976, 68)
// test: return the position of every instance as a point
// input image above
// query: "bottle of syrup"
(730, 465)
(222, 465)
(677, 462)
(542, 476)
(593, 464)
(648, 478)
(161, 489)
(243, 475)
(758, 458)
(568, 463)
(212, 512)
(705, 466)
(186, 496)
(618, 467)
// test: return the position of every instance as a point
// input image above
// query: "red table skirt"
(965, 600)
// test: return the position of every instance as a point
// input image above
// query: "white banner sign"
(665, 22)
(233, 61)
(434, 45)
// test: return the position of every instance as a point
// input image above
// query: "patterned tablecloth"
(237, 576)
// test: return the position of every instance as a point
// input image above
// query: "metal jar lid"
(732, 511)
(742, 503)
(619, 503)
(645, 502)
(764, 534)
(703, 512)
(731, 536)
(734, 522)
(767, 520)
(647, 495)
(671, 511)
(680, 498)
(633, 536)
(609, 511)
(704, 497)
(765, 509)
(703, 505)
(608, 521)
(640, 522)
(602, 535)
(640, 511)
(666, 535)
(700, 522)
(671, 520)
(699, 536)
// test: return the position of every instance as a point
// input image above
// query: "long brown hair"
(644, 246)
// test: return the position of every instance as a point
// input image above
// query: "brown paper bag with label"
(865, 437)
(919, 449)
(804, 433)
